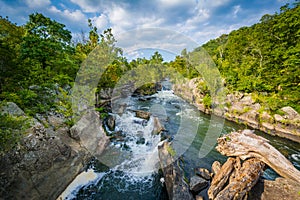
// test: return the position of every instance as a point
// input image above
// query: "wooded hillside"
(263, 59)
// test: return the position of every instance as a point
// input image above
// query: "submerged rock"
(142, 114)
(141, 140)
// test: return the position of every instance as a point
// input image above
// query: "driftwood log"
(246, 144)
(240, 179)
(235, 178)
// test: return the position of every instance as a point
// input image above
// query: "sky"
(148, 21)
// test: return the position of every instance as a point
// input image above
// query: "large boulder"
(177, 188)
(49, 159)
(197, 184)
(290, 112)
(43, 167)
(12, 109)
(281, 188)
(88, 130)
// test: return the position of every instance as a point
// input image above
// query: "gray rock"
(119, 108)
(111, 122)
(278, 118)
(176, 187)
(256, 106)
(290, 112)
(204, 173)
(90, 133)
(247, 100)
(142, 114)
(12, 109)
(74, 133)
(197, 184)
(56, 120)
(265, 117)
(42, 168)
(157, 126)
(237, 108)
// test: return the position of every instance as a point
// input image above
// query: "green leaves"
(263, 58)
(12, 129)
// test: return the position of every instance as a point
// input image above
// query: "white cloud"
(173, 3)
(100, 22)
(200, 16)
(37, 3)
(215, 3)
(236, 10)
(88, 5)
(76, 15)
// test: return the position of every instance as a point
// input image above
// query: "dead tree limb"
(245, 145)
(244, 179)
(221, 178)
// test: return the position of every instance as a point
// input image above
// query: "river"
(133, 171)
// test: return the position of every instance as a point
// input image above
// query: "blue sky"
(200, 20)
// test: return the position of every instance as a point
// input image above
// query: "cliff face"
(241, 108)
(49, 158)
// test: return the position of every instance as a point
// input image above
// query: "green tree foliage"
(12, 129)
(10, 69)
(36, 60)
(263, 58)
(46, 48)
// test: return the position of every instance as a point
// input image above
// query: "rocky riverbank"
(238, 178)
(50, 156)
(242, 108)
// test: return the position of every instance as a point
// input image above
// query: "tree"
(46, 47)
(10, 39)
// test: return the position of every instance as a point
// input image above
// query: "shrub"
(12, 129)
(207, 101)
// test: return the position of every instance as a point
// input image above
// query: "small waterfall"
(141, 144)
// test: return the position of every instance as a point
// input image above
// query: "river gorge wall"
(49, 156)
(242, 108)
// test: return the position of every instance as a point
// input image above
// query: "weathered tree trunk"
(244, 179)
(240, 179)
(245, 145)
(221, 178)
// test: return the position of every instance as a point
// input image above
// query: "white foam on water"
(84, 179)
(144, 155)
(296, 157)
